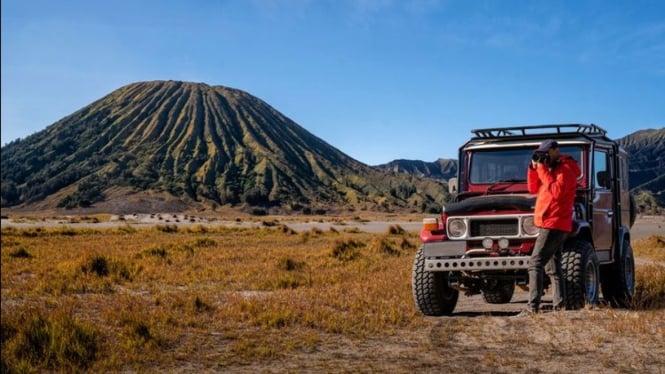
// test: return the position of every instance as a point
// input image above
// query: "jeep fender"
(623, 236)
(582, 230)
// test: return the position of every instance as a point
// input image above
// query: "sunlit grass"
(650, 279)
(652, 248)
(147, 290)
(157, 297)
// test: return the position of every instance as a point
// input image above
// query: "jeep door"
(603, 201)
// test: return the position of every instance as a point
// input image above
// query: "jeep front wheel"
(581, 274)
(431, 293)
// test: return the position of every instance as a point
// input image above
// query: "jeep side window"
(602, 172)
(624, 174)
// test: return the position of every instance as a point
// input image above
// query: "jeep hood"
(492, 202)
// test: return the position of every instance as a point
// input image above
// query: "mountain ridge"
(441, 169)
(202, 144)
(171, 145)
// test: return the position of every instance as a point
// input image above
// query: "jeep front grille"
(494, 227)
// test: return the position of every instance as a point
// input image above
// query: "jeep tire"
(618, 279)
(581, 274)
(498, 291)
(431, 293)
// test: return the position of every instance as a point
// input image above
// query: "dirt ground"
(644, 226)
(484, 338)
(487, 339)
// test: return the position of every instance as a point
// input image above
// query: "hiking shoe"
(527, 312)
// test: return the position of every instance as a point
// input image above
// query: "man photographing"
(553, 177)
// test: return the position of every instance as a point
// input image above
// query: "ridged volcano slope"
(198, 142)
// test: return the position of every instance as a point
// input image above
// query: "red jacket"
(556, 188)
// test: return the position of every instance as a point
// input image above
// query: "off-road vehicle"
(483, 240)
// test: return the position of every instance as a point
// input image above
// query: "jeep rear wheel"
(618, 279)
(431, 293)
(581, 274)
(498, 291)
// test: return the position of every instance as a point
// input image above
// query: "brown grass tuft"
(649, 288)
(347, 250)
(38, 340)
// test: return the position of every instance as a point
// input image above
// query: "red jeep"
(483, 240)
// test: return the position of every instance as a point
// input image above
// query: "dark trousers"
(546, 258)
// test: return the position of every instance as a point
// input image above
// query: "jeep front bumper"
(449, 256)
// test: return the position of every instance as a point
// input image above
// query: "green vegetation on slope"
(204, 143)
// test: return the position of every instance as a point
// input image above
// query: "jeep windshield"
(506, 165)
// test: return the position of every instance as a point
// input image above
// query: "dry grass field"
(271, 299)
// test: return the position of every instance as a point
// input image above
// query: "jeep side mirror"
(452, 186)
(603, 179)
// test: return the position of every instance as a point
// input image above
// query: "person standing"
(553, 177)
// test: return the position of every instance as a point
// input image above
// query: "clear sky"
(378, 79)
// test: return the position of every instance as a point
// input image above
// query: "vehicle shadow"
(491, 313)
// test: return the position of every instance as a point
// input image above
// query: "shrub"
(384, 245)
(167, 228)
(102, 267)
(97, 265)
(406, 245)
(346, 250)
(201, 306)
(290, 264)
(269, 223)
(33, 342)
(157, 252)
(649, 288)
(396, 230)
(287, 230)
(127, 229)
(204, 242)
(259, 212)
(20, 253)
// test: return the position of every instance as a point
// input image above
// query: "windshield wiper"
(507, 182)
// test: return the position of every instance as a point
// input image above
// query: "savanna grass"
(650, 279)
(36, 340)
(160, 295)
(652, 248)
(148, 299)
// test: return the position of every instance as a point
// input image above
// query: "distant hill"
(169, 145)
(646, 157)
(441, 169)
(646, 152)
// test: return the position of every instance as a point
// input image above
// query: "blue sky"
(378, 79)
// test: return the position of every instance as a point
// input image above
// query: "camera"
(542, 157)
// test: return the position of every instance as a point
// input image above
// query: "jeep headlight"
(528, 227)
(456, 228)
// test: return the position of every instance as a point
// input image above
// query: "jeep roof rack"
(569, 128)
